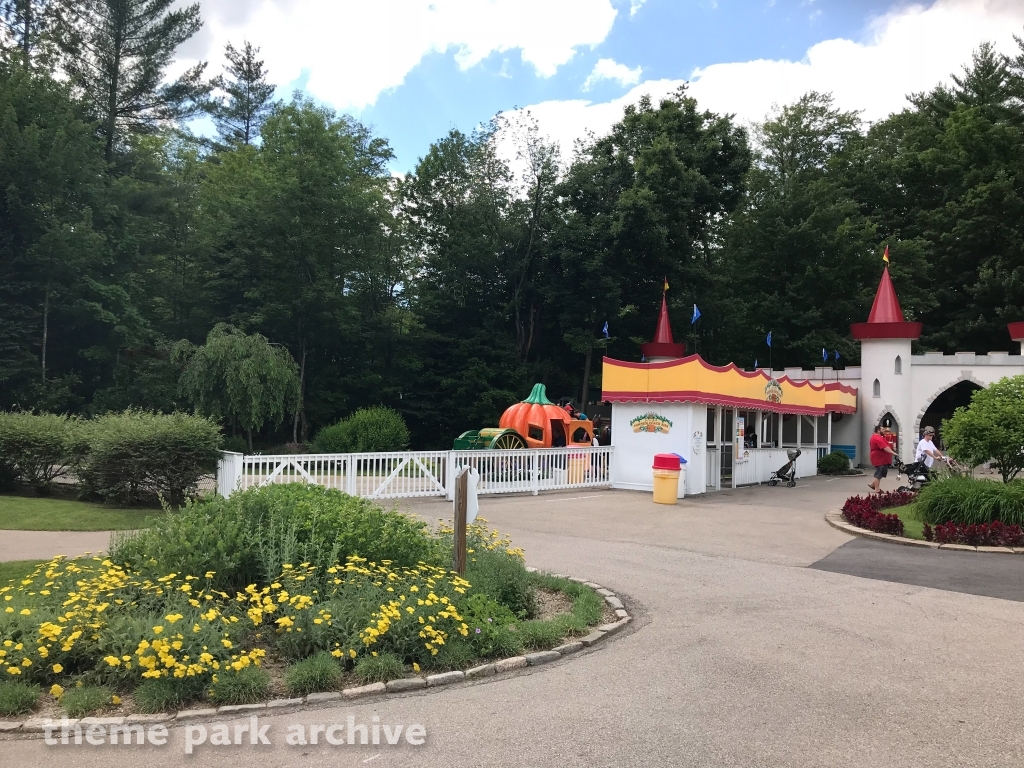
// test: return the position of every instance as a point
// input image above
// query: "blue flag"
(769, 339)
(755, 363)
(696, 315)
(837, 355)
(605, 329)
(824, 355)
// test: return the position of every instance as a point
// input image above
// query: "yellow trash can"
(666, 478)
(577, 467)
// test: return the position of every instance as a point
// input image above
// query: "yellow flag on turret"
(666, 284)
(885, 256)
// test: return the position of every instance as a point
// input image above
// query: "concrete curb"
(34, 726)
(835, 519)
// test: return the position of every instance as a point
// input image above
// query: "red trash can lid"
(666, 461)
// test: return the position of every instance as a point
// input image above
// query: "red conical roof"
(886, 318)
(886, 308)
(663, 333)
(663, 347)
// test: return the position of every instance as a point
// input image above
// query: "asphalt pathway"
(991, 575)
(741, 655)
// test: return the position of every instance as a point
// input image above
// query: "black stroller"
(917, 474)
(787, 472)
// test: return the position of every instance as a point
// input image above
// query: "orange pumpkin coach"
(536, 422)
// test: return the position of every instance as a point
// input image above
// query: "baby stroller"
(786, 472)
(917, 473)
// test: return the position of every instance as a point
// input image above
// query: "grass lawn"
(912, 527)
(16, 569)
(29, 513)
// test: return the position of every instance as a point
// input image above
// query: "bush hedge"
(865, 511)
(368, 429)
(135, 456)
(249, 537)
(969, 501)
(36, 449)
(835, 463)
(994, 534)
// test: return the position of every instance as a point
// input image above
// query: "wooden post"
(461, 498)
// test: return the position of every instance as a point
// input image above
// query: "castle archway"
(942, 407)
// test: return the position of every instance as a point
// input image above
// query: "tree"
(247, 102)
(24, 30)
(118, 51)
(239, 377)
(992, 427)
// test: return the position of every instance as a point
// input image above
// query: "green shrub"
(39, 448)
(489, 623)
(456, 653)
(835, 463)
(379, 668)
(80, 701)
(317, 673)
(136, 456)
(248, 538)
(246, 686)
(538, 635)
(992, 427)
(368, 429)
(167, 694)
(502, 577)
(235, 445)
(969, 501)
(17, 698)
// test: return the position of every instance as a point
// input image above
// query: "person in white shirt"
(926, 449)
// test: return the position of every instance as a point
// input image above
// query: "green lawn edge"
(33, 513)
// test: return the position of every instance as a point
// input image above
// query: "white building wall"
(878, 363)
(634, 452)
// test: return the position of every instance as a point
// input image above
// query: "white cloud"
(610, 69)
(635, 5)
(354, 50)
(910, 49)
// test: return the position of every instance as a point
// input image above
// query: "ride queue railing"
(412, 474)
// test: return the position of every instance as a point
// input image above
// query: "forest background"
(126, 241)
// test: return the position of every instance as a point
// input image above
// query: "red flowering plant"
(865, 511)
(994, 534)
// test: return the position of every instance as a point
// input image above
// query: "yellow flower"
(13, 671)
(415, 667)
(115, 700)
(157, 630)
(173, 617)
(25, 612)
(57, 668)
(56, 691)
(112, 661)
(352, 653)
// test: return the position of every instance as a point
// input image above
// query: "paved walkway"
(741, 655)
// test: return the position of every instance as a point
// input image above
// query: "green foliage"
(240, 377)
(368, 429)
(316, 673)
(502, 577)
(82, 700)
(456, 653)
(835, 463)
(17, 698)
(167, 694)
(379, 668)
(249, 537)
(39, 448)
(490, 627)
(234, 445)
(992, 427)
(136, 456)
(246, 686)
(969, 501)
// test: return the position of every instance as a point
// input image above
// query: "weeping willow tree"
(242, 378)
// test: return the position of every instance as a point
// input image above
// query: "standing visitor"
(881, 455)
(926, 450)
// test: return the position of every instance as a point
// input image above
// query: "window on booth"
(534, 432)
(899, 365)
(876, 389)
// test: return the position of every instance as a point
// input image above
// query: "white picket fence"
(410, 474)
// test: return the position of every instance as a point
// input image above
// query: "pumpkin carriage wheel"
(507, 440)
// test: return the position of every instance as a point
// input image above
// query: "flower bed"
(994, 534)
(865, 511)
(92, 630)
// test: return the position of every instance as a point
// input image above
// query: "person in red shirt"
(881, 455)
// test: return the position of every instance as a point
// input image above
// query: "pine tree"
(117, 52)
(241, 112)
(24, 30)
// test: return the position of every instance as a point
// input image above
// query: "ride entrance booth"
(732, 427)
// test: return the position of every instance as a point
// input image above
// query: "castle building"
(734, 427)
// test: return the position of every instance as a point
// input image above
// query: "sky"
(415, 69)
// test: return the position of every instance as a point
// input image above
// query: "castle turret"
(885, 348)
(663, 347)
